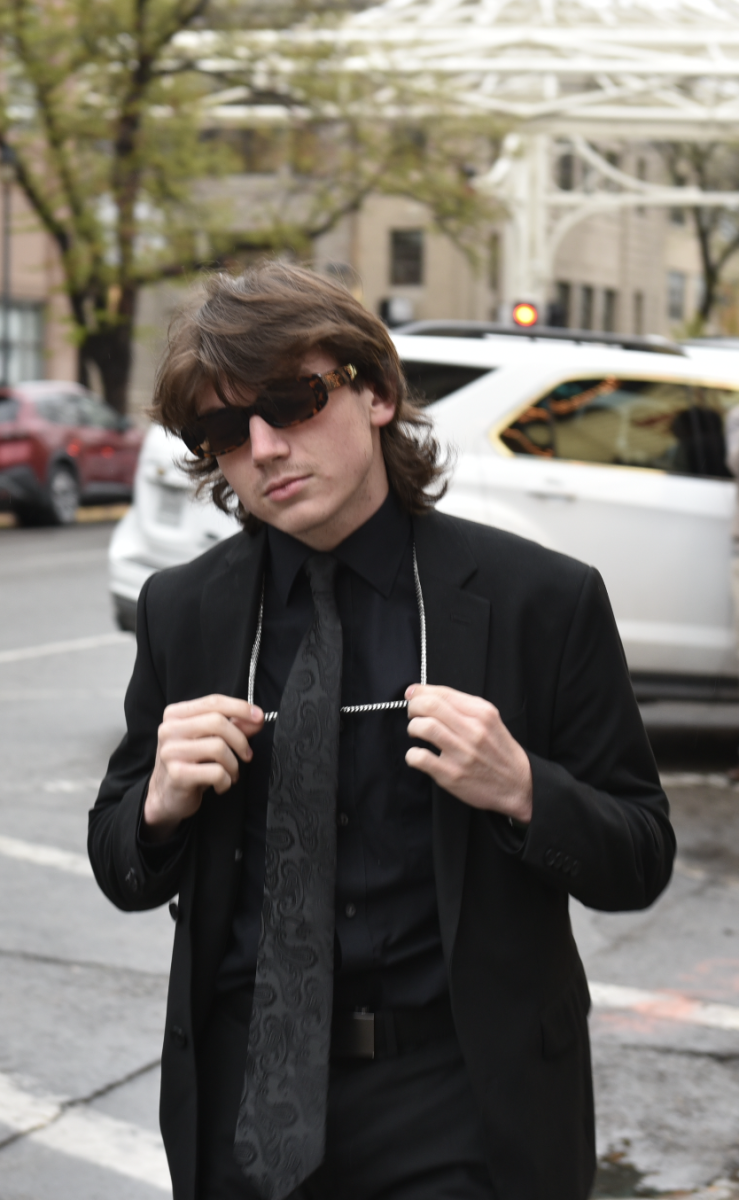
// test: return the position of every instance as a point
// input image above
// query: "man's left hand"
(480, 762)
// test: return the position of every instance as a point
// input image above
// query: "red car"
(60, 446)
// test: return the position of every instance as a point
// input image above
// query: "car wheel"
(64, 495)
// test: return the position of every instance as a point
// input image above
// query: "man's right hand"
(199, 746)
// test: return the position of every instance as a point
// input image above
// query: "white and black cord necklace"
(383, 705)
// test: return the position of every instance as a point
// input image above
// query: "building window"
(610, 310)
(676, 295)
(641, 174)
(566, 172)
(494, 263)
(587, 296)
(639, 313)
(560, 310)
(406, 256)
(25, 341)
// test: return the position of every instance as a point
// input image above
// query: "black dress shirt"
(388, 944)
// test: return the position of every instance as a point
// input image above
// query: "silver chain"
(384, 705)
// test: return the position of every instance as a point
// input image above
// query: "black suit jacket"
(533, 632)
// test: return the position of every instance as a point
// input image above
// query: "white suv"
(612, 453)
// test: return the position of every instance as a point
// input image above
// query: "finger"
(429, 700)
(203, 750)
(227, 706)
(197, 777)
(426, 761)
(430, 729)
(210, 724)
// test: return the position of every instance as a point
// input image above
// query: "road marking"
(84, 1133)
(72, 785)
(666, 1006)
(109, 1143)
(23, 1112)
(697, 779)
(45, 856)
(86, 643)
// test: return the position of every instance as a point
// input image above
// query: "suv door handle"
(569, 497)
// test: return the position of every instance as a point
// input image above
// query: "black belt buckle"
(354, 1036)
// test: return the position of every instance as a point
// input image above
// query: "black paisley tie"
(280, 1131)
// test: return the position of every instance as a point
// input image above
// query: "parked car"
(606, 450)
(60, 445)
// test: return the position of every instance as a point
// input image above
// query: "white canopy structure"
(571, 75)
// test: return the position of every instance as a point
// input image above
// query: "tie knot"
(321, 572)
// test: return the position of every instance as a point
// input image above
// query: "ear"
(382, 410)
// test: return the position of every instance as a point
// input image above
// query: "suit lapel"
(228, 614)
(457, 629)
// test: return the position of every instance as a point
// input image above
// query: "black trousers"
(402, 1128)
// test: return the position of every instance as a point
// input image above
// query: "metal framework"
(571, 76)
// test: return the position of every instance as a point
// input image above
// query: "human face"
(318, 481)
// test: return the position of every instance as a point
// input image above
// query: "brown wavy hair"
(257, 327)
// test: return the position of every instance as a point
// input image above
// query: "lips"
(285, 488)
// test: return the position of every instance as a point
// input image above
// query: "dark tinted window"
(428, 382)
(8, 410)
(406, 256)
(661, 424)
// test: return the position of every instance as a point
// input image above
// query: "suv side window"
(657, 424)
(428, 381)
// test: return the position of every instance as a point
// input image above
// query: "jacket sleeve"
(600, 826)
(124, 870)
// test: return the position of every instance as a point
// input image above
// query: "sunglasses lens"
(281, 404)
(218, 432)
(287, 402)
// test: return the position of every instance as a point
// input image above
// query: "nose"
(267, 443)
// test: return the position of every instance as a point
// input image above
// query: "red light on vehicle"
(73, 449)
(525, 314)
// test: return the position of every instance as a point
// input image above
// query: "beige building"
(633, 271)
(39, 332)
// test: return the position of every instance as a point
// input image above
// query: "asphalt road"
(82, 986)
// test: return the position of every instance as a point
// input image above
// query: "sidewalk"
(92, 514)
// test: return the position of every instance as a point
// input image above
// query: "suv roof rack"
(652, 343)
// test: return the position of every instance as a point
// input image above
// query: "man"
(375, 991)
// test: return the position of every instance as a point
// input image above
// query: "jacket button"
(174, 910)
(566, 864)
(558, 859)
(575, 868)
(178, 1036)
(132, 879)
(238, 854)
(343, 819)
(549, 857)
(351, 910)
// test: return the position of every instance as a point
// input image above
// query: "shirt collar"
(374, 551)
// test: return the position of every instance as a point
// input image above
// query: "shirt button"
(351, 910)
(343, 819)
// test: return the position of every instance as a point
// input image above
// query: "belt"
(385, 1034)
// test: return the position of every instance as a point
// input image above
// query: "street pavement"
(82, 986)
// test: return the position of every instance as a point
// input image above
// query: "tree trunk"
(110, 348)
